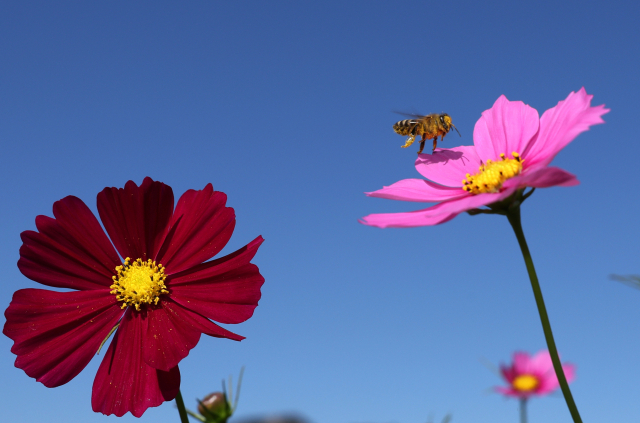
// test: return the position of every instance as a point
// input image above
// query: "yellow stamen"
(139, 282)
(492, 175)
(525, 383)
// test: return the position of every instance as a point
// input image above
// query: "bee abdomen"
(404, 127)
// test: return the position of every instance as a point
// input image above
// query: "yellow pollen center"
(138, 282)
(525, 383)
(492, 175)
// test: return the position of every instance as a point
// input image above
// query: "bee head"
(446, 122)
(445, 119)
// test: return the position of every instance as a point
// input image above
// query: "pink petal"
(124, 382)
(418, 190)
(137, 218)
(569, 372)
(195, 320)
(508, 373)
(549, 382)
(167, 340)
(507, 127)
(448, 167)
(544, 177)
(469, 202)
(201, 226)
(56, 334)
(521, 363)
(71, 251)
(426, 217)
(541, 364)
(560, 125)
(510, 392)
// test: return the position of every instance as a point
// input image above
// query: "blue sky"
(287, 108)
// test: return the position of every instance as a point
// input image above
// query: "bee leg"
(435, 143)
(422, 144)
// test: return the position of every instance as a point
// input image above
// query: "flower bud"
(215, 407)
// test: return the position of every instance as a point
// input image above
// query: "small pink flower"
(512, 150)
(529, 376)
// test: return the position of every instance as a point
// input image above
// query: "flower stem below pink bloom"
(514, 218)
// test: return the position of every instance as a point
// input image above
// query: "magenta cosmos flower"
(512, 150)
(161, 298)
(528, 376)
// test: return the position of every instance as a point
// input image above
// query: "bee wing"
(412, 115)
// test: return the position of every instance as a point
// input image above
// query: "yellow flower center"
(492, 175)
(525, 383)
(139, 282)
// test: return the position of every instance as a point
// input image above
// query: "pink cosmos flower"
(528, 376)
(512, 150)
(160, 298)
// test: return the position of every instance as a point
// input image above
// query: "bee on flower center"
(429, 126)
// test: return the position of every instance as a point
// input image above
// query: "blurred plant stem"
(183, 411)
(523, 410)
(631, 280)
(513, 214)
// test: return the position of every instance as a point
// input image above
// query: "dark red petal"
(71, 251)
(226, 290)
(195, 320)
(125, 383)
(168, 339)
(200, 227)
(137, 218)
(56, 334)
(218, 266)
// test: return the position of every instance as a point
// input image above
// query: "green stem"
(183, 411)
(523, 410)
(514, 218)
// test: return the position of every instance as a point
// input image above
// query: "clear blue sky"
(287, 107)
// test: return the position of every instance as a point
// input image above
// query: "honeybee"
(429, 126)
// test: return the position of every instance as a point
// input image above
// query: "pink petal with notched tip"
(200, 227)
(124, 382)
(56, 334)
(560, 125)
(71, 251)
(449, 166)
(418, 190)
(544, 177)
(506, 127)
(137, 217)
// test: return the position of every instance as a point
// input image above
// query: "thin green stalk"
(523, 410)
(514, 218)
(183, 411)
